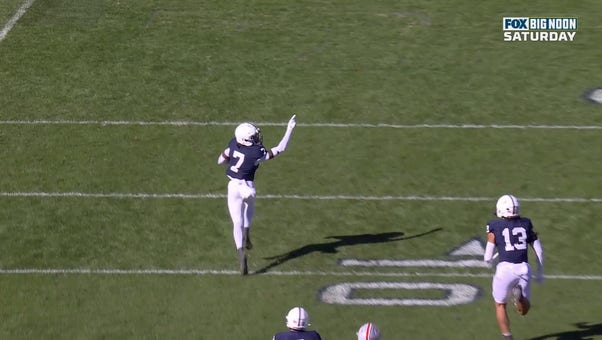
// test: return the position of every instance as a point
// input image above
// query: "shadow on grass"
(341, 241)
(586, 331)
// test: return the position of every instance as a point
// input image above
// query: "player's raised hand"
(292, 123)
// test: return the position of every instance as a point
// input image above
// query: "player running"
(242, 157)
(511, 235)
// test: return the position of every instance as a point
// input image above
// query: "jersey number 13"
(521, 242)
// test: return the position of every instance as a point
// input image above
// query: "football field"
(413, 117)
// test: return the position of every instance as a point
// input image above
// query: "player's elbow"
(274, 152)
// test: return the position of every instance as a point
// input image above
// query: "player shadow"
(341, 241)
(585, 332)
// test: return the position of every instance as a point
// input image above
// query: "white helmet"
(247, 134)
(297, 318)
(368, 331)
(507, 206)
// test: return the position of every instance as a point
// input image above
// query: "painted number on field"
(454, 293)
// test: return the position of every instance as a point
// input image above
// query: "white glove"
(292, 123)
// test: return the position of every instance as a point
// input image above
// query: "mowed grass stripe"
(115, 271)
(325, 124)
(298, 197)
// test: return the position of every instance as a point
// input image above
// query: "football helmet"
(507, 206)
(247, 134)
(368, 331)
(297, 318)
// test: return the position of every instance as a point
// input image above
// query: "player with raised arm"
(243, 155)
(511, 235)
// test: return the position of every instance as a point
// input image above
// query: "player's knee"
(500, 306)
(237, 223)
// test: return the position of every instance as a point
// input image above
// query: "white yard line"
(327, 125)
(114, 271)
(119, 195)
(12, 21)
(109, 195)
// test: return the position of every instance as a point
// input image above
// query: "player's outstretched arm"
(285, 139)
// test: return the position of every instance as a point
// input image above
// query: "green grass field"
(413, 117)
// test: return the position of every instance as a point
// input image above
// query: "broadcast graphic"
(539, 29)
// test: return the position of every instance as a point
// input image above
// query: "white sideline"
(297, 197)
(329, 125)
(111, 271)
(12, 21)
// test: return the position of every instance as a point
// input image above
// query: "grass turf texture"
(81, 306)
(408, 62)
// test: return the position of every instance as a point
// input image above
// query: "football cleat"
(516, 294)
(520, 303)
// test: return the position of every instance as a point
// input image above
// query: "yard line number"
(449, 294)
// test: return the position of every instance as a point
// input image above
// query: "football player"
(368, 331)
(297, 320)
(242, 158)
(511, 235)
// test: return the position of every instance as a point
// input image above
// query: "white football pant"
(241, 205)
(507, 275)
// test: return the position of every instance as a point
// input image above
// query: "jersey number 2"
(521, 242)
(241, 158)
